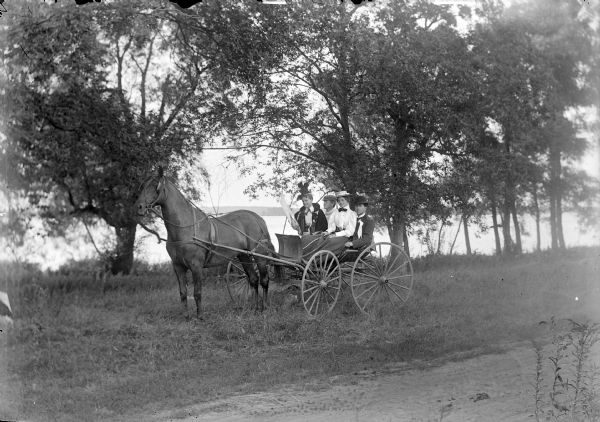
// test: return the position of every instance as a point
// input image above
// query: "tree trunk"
(536, 207)
(122, 260)
(554, 195)
(466, 228)
(559, 226)
(405, 239)
(439, 241)
(518, 245)
(455, 236)
(398, 236)
(506, 228)
(496, 232)
(554, 238)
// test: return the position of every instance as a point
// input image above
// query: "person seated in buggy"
(339, 233)
(363, 231)
(310, 218)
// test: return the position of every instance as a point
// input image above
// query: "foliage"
(98, 95)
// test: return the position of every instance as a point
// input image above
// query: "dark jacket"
(367, 232)
(319, 221)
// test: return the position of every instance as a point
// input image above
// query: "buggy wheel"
(382, 274)
(237, 284)
(321, 283)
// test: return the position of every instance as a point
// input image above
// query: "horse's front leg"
(180, 272)
(197, 276)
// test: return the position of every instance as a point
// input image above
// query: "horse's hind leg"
(263, 272)
(248, 265)
(180, 272)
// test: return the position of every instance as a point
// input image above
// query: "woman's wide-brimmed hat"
(342, 193)
(330, 198)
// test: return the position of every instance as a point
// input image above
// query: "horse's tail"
(265, 240)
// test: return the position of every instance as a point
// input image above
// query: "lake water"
(50, 253)
(481, 243)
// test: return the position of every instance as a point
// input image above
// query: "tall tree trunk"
(466, 228)
(122, 261)
(559, 226)
(496, 232)
(553, 236)
(536, 208)
(518, 246)
(554, 194)
(439, 242)
(405, 239)
(455, 236)
(506, 228)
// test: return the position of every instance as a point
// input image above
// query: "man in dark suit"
(365, 225)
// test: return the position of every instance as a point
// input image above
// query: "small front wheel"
(321, 283)
(237, 284)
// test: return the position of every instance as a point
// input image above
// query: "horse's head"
(152, 193)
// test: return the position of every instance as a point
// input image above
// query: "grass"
(82, 351)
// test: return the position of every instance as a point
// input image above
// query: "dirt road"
(496, 387)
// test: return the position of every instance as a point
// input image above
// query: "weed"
(573, 391)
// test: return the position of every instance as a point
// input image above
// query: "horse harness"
(209, 244)
(212, 232)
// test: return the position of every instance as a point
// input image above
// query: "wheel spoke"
(369, 299)
(314, 276)
(329, 294)
(400, 276)
(392, 263)
(331, 262)
(393, 291)
(313, 304)
(368, 276)
(399, 286)
(366, 290)
(398, 268)
(313, 293)
(369, 265)
(318, 300)
(311, 288)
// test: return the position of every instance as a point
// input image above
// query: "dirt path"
(483, 388)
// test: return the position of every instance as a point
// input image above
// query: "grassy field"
(79, 351)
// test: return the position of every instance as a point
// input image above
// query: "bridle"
(162, 195)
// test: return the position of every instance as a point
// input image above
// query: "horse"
(185, 222)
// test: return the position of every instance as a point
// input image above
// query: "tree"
(363, 103)
(92, 106)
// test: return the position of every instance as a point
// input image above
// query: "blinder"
(161, 194)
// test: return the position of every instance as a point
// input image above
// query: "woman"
(310, 219)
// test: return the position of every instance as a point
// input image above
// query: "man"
(310, 219)
(330, 210)
(365, 225)
(343, 223)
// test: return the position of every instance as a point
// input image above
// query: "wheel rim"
(321, 282)
(381, 275)
(237, 284)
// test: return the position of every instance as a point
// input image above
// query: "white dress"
(346, 220)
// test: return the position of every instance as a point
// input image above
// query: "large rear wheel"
(381, 275)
